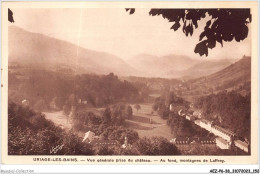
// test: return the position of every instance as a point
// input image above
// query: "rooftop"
(241, 143)
(223, 130)
(221, 140)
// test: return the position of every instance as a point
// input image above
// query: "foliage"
(222, 24)
(162, 104)
(137, 107)
(53, 90)
(10, 16)
(106, 116)
(182, 127)
(156, 146)
(163, 112)
(228, 109)
(129, 112)
(29, 133)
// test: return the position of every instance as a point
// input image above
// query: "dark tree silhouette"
(10, 16)
(222, 25)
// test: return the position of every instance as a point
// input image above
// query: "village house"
(82, 101)
(222, 144)
(94, 140)
(176, 109)
(89, 137)
(241, 145)
(188, 117)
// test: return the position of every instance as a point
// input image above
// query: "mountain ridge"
(47, 50)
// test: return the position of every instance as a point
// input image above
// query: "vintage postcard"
(129, 83)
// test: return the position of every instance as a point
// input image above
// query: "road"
(58, 118)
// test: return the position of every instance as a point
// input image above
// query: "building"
(223, 133)
(205, 140)
(241, 145)
(188, 117)
(197, 113)
(197, 122)
(206, 124)
(82, 101)
(89, 137)
(176, 108)
(222, 144)
(185, 144)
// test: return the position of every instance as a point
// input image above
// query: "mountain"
(29, 48)
(157, 66)
(176, 66)
(236, 76)
(202, 68)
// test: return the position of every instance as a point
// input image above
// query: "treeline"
(181, 127)
(151, 85)
(162, 104)
(29, 133)
(228, 109)
(46, 90)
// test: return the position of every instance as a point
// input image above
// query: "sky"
(115, 31)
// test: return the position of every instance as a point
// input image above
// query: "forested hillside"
(45, 90)
(228, 109)
(29, 133)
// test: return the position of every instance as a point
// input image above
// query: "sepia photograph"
(95, 81)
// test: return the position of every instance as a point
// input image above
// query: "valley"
(125, 102)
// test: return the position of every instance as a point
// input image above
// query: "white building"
(222, 144)
(223, 133)
(206, 124)
(241, 145)
(179, 112)
(188, 117)
(197, 122)
(89, 136)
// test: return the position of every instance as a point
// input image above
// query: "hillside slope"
(237, 76)
(39, 50)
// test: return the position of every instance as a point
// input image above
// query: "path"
(58, 118)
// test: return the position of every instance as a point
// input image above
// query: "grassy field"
(141, 123)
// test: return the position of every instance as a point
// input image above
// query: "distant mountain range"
(38, 50)
(236, 76)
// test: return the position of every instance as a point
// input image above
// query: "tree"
(163, 112)
(156, 146)
(137, 107)
(222, 25)
(129, 112)
(10, 16)
(106, 116)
